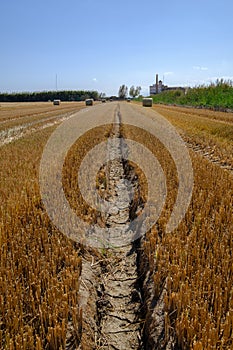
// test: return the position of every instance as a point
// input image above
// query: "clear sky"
(100, 45)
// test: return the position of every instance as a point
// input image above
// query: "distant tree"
(123, 90)
(102, 95)
(133, 92)
(138, 90)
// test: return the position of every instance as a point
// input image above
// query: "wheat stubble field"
(184, 279)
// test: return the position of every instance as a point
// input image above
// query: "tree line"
(64, 95)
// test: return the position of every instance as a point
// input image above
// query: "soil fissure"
(119, 301)
(112, 290)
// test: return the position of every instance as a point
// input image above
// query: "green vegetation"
(133, 92)
(123, 91)
(218, 95)
(65, 95)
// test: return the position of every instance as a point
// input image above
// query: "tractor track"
(208, 153)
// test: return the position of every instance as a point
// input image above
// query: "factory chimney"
(157, 84)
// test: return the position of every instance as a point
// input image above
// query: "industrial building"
(157, 87)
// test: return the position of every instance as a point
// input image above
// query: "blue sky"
(100, 45)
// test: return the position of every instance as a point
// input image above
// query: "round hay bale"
(147, 102)
(89, 101)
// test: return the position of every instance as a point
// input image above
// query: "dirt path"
(120, 323)
(118, 304)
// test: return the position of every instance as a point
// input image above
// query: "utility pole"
(56, 81)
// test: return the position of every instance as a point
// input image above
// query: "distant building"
(154, 89)
(157, 87)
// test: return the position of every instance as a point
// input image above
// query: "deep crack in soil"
(120, 311)
(109, 287)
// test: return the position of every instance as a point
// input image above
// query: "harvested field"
(15, 110)
(209, 132)
(164, 290)
(17, 120)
